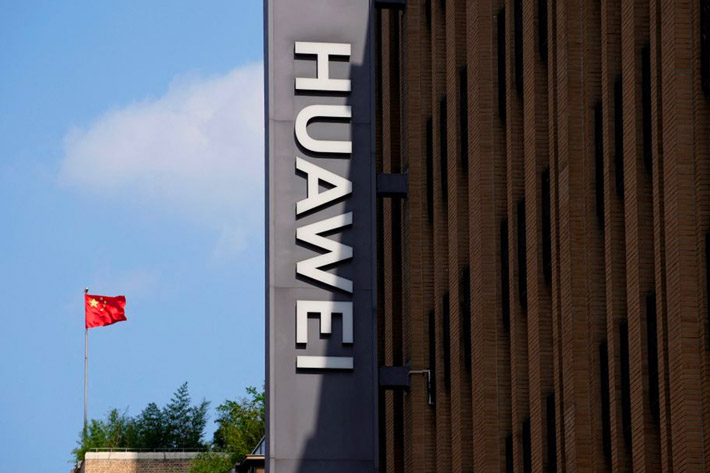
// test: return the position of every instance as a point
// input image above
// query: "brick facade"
(549, 263)
(137, 462)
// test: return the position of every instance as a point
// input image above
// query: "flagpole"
(86, 347)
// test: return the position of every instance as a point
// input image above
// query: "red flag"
(104, 310)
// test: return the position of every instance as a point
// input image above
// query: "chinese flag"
(104, 310)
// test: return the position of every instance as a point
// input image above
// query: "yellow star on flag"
(93, 303)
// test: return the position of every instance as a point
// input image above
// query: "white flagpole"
(86, 346)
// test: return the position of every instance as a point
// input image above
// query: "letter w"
(336, 252)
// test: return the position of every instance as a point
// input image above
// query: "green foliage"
(241, 424)
(183, 424)
(240, 428)
(117, 430)
(178, 425)
(213, 462)
(150, 426)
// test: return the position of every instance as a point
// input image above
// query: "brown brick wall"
(623, 236)
(137, 466)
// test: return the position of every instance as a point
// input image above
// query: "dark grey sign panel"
(321, 277)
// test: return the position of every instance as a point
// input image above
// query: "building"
(125, 461)
(549, 263)
(253, 462)
(542, 235)
(136, 462)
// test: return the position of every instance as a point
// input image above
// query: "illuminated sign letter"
(316, 175)
(322, 111)
(321, 251)
(323, 82)
(325, 310)
(336, 252)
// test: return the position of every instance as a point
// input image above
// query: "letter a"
(316, 198)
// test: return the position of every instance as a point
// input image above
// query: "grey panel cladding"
(320, 224)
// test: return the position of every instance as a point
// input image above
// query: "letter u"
(322, 111)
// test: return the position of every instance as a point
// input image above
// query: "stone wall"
(137, 462)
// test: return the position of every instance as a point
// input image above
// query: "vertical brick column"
(684, 358)
(701, 123)
(594, 225)
(615, 247)
(419, 448)
(515, 181)
(440, 233)
(638, 212)
(659, 232)
(553, 132)
(573, 284)
(487, 210)
(536, 163)
(461, 426)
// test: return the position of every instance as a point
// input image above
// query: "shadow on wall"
(341, 417)
(345, 423)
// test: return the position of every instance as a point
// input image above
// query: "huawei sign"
(338, 188)
(321, 297)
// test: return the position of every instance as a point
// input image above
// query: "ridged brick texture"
(548, 264)
(137, 466)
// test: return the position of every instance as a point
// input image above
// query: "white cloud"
(231, 242)
(196, 152)
(138, 282)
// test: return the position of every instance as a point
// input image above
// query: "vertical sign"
(321, 304)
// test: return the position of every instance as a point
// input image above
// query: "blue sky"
(130, 162)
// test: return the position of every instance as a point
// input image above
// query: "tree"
(241, 426)
(213, 462)
(117, 430)
(151, 427)
(241, 423)
(184, 423)
(121, 429)
(178, 425)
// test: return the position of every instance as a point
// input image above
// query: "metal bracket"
(392, 185)
(426, 373)
(399, 377)
(390, 3)
(394, 377)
